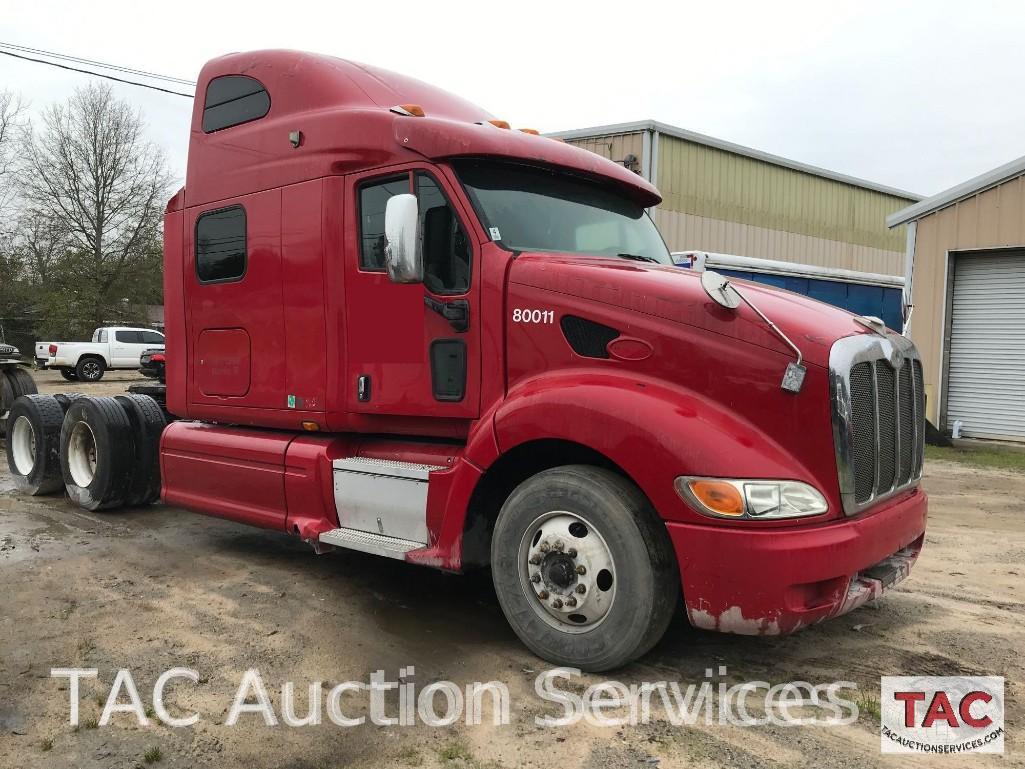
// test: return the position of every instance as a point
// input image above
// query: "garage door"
(986, 378)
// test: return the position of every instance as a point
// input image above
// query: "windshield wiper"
(639, 258)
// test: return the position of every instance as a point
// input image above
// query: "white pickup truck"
(112, 347)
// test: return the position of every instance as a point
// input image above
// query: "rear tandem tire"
(33, 444)
(584, 537)
(148, 423)
(66, 399)
(21, 381)
(97, 453)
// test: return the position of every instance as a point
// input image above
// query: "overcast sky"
(919, 96)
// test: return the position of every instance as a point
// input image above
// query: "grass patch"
(152, 755)
(868, 708)
(90, 723)
(981, 456)
(455, 750)
(46, 745)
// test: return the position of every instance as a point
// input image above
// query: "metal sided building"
(725, 198)
(966, 248)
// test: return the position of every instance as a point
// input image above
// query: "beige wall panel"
(615, 147)
(994, 218)
(685, 232)
(716, 184)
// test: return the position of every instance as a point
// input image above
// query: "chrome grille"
(878, 417)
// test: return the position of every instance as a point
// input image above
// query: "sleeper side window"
(446, 248)
(221, 245)
(232, 100)
(373, 200)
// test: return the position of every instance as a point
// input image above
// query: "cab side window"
(128, 337)
(373, 200)
(221, 245)
(446, 248)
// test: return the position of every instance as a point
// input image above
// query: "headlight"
(751, 499)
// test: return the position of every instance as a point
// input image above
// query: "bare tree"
(90, 173)
(43, 243)
(11, 110)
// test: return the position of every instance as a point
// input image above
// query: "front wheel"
(583, 568)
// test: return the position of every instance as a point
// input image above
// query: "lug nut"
(544, 547)
(581, 569)
(571, 602)
(581, 588)
(572, 552)
(543, 595)
(559, 545)
(536, 578)
(557, 603)
(535, 559)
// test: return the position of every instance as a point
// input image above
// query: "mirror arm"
(773, 326)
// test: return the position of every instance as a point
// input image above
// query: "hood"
(676, 294)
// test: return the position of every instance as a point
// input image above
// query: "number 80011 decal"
(533, 316)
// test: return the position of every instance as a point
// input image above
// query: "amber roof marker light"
(409, 110)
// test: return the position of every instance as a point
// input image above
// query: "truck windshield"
(535, 209)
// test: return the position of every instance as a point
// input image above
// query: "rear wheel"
(66, 399)
(90, 369)
(97, 453)
(21, 381)
(583, 568)
(148, 423)
(33, 444)
(69, 374)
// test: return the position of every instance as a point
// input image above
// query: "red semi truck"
(395, 325)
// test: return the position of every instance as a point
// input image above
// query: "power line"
(97, 74)
(95, 63)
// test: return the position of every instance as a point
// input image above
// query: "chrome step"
(368, 542)
(387, 467)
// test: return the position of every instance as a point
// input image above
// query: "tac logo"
(942, 714)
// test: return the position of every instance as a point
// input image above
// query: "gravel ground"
(149, 589)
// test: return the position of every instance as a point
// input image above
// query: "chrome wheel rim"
(90, 370)
(23, 445)
(82, 454)
(567, 572)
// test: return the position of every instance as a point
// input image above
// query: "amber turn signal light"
(720, 497)
(499, 123)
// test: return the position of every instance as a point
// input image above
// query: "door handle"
(456, 312)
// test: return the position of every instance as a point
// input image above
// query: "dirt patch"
(149, 589)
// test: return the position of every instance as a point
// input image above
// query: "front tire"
(583, 568)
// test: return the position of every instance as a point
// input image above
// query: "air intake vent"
(587, 338)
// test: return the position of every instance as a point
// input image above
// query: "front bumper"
(774, 581)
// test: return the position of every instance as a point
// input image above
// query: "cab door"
(413, 350)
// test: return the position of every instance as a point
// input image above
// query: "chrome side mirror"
(403, 256)
(719, 290)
